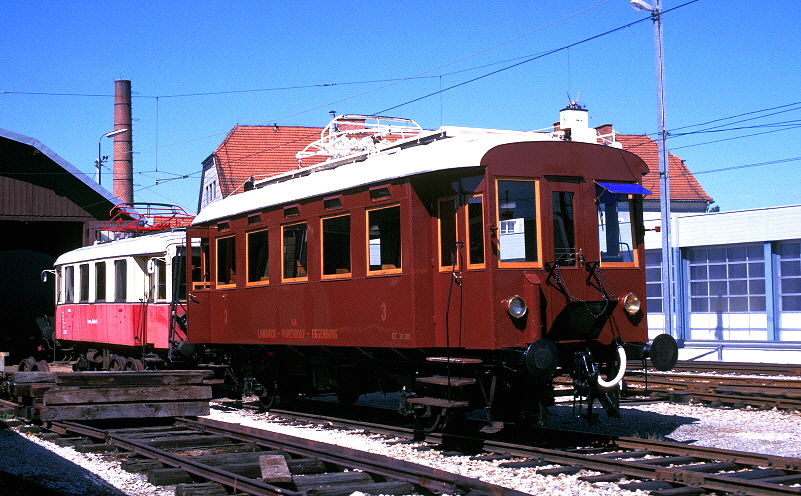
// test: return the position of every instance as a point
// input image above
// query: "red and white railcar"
(120, 304)
(467, 267)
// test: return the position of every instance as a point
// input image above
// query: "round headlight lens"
(631, 303)
(516, 306)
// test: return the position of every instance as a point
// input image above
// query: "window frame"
(304, 278)
(633, 216)
(343, 275)
(454, 264)
(69, 284)
(709, 271)
(469, 235)
(538, 263)
(100, 276)
(231, 264)
(201, 270)
(260, 282)
(161, 280)
(383, 271)
(121, 280)
(84, 282)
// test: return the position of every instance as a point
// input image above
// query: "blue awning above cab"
(627, 188)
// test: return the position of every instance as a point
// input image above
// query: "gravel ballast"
(769, 432)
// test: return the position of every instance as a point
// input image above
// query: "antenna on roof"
(574, 104)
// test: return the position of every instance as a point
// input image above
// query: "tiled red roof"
(261, 151)
(683, 185)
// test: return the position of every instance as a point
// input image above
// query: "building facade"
(738, 280)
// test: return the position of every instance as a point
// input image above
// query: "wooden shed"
(47, 207)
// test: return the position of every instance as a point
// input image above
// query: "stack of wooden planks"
(53, 396)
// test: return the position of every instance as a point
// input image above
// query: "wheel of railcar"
(347, 397)
(80, 365)
(116, 363)
(433, 419)
(27, 365)
(270, 396)
(134, 364)
(42, 366)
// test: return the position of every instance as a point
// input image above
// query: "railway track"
(257, 461)
(663, 468)
(761, 386)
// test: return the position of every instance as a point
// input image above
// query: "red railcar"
(120, 305)
(465, 267)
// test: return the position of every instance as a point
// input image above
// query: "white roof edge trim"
(150, 244)
(460, 151)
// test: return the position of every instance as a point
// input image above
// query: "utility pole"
(668, 302)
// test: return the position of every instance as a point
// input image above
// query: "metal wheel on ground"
(134, 364)
(116, 363)
(27, 365)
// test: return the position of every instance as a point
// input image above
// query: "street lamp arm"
(99, 162)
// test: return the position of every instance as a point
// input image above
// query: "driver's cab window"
(617, 219)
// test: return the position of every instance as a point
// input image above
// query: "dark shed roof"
(29, 170)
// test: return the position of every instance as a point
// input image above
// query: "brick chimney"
(123, 156)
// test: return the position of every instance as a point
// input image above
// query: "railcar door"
(461, 288)
(198, 304)
(573, 241)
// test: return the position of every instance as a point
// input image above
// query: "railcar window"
(517, 216)
(69, 284)
(178, 268)
(100, 281)
(83, 271)
(201, 261)
(258, 257)
(564, 237)
(615, 228)
(333, 203)
(161, 279)
(475, 230)
(336, 246)
(291, 212)
(447, 233)
(120, 280)
(384, 240)
(380, 193)
(294, 252)
(226, 261)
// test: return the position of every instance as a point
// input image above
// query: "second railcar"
(120, 305)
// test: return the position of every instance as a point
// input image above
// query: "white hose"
(607, 386)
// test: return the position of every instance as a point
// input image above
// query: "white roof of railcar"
(150, 244)
(464, 147)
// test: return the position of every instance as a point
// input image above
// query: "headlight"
(631, 303)
(516, 307)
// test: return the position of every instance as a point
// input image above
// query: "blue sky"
(291, 63)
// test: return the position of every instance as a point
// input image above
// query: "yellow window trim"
(343, 275)
(217, 258)
(537, 191)
(248, 282)
(383, 270)
(293, 279)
